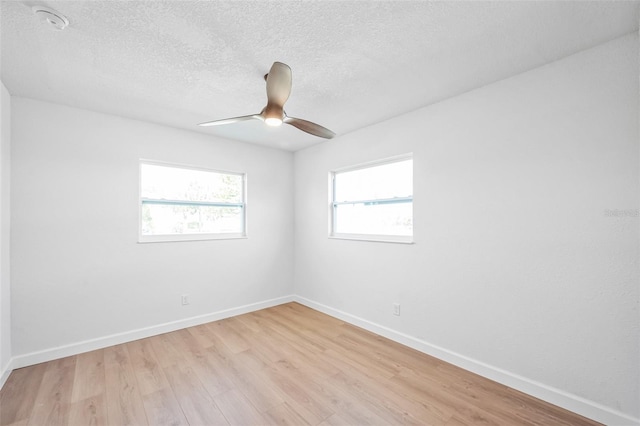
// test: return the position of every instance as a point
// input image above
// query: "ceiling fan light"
(273, 114)
(273, 121)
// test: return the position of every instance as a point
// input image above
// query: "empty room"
(319, 212)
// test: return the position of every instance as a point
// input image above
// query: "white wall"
(78, 272)
(5, 212)
(515, 263)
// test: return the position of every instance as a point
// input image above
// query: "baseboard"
(116, 339)
(4, 374)
(582, 406)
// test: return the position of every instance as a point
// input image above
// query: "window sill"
(143, 239)
(398, 239)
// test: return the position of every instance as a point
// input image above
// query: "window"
(179, 203)
(374, 202)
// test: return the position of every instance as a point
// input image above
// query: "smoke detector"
(55, 19)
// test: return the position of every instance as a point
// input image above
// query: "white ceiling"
(354, 63)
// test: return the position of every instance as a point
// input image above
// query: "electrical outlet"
(185, 299)
(396, 309)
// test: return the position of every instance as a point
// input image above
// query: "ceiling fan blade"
(309, 127)
(231, 120)
(278, 84)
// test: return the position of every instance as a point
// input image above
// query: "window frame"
(403, 239)
(161, 238)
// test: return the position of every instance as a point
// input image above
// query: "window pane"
(160, 219)
(376, 219)
(384, 181)
(175, 183)
(376, 201)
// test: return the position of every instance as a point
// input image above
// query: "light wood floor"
(284, 365)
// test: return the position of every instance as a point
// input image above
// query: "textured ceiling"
(354, 63)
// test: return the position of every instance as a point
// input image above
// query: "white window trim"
(374, 238)
(163, 238)
(402, 239)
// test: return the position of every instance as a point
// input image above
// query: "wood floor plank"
(283, 414)
(202, 335)
(307, 388)
(124, 400)
(241, 329)
(323, 389)
(188, 345)
(254, 385)
(292, 331)
(229, 337)
(89, 380)
(146, 366)
(336, 420)
(359, 358)
(271, 349)
(238, 410)
(473, 415)
(52, 404)
(25, 383)
(91, 411)
(251, 321)
(287, 364)
(393, 407)
(310, 320)
(537, 411)
(240, 378)
(294, 393)
(214, 375)
(457, 421)
(197, 405)
(163, 409)
(391, 356)
(431, 394)
(349, 406)
(299, 354)
(22, 422)
(166, 349)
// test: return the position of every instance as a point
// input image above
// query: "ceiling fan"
(278, 90)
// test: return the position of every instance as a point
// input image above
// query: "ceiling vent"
(55, 19)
